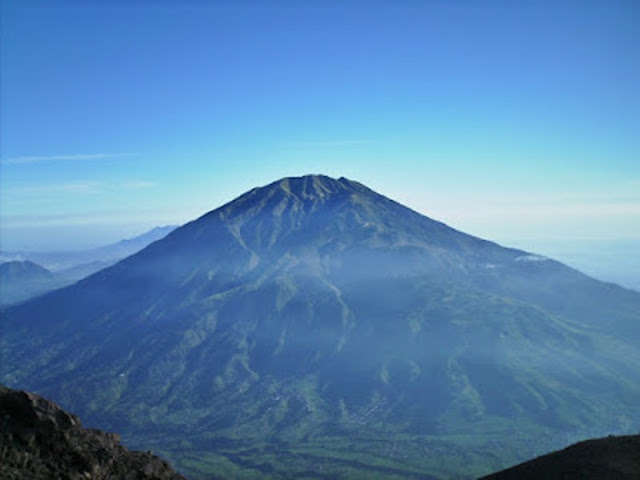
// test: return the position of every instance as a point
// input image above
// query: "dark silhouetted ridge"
(610, 458)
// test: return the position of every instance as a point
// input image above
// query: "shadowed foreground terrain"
(602, 458)
(39, 440)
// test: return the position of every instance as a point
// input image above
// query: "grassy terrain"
(368, 454)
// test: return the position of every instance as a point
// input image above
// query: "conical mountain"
(313, 325)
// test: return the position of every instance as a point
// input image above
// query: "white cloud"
(138, 184)
(325, 144)
(74, 187)
(74, 157)
(82, 187)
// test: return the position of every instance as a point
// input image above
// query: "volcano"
(313, 327)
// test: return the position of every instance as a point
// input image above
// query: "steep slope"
(39, 440)
(314, 312)
(602, 458)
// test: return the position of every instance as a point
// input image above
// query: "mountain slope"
(596, 459)
(313, 312)
(22, 277)
(73, 265)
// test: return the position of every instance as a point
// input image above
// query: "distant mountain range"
(314, 328)
(20, 280)
(25, 275)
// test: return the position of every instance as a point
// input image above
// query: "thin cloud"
(56, 158)
(325, 144)
(83, 187)
(138, 184)
(166, 216)
(74, 187)
(549, 212)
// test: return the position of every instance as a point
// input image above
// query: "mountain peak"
(312, 186)
(289, 195)
(320, 213)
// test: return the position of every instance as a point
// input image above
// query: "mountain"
(40, 441)
(602, 458)
(20, 280)
(74, 266)
(67, 263)
(313, 327)
(116, 251)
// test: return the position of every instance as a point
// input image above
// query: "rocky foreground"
(39, 440)
(609, 458)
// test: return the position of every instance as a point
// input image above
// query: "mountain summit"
(319, 211)
(315, 327)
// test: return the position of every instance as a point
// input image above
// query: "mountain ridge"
(63, 262)
(317, 315)
(611, 457)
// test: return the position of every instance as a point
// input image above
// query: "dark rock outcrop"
(610, 458)
(39, 440)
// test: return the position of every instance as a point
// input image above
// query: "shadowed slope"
(611, 458)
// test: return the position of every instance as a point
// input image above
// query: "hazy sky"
(514, 121)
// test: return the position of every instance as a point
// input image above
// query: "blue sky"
(514, 121)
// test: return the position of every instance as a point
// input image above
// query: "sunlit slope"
(314, 311)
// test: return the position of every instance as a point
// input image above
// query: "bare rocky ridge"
(39, 440)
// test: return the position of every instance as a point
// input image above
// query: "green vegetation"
(313, 328)
(367, 454)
